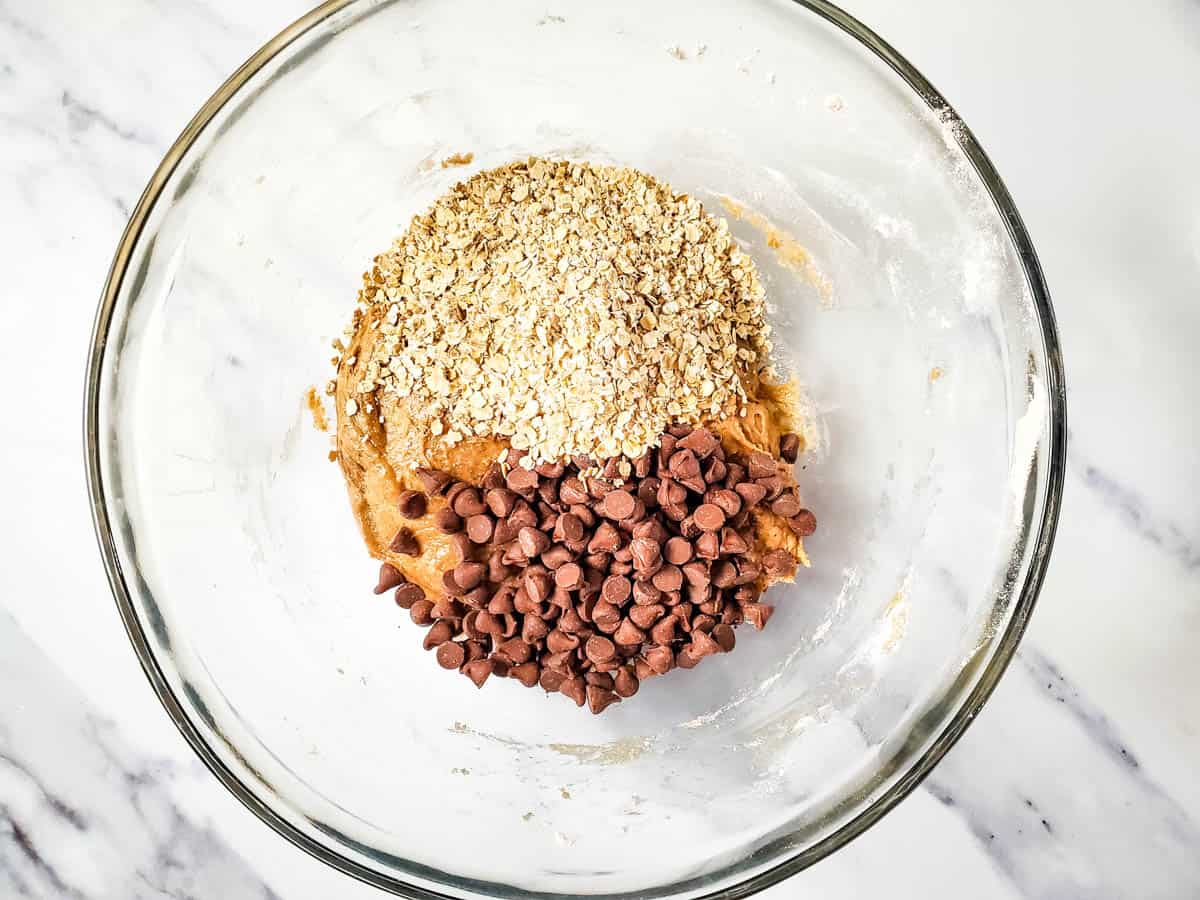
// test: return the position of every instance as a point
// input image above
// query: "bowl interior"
(899, 301)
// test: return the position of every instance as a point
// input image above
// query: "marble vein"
(121, 835)
(1136, 513)
(1014, 781)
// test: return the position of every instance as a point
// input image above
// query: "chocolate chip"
(568, 528)
(597, 488)
(405, 543)
(773, 484)
(757, 614)
(468, 575)
(724, 574)
(701, 442)
(533, 629)
(748, 571)
(732, 543)
(702, 645)
(715, 471)
(729, 501)
(486, 623)
(677, 551)
(408, 594)
(708, 545)
(515, 650)
(599, 676)
(389, 577)
(803, 523)
(789, 446)
(616, 589)
(572, 491)
(550, 681)
(537, 585)
(475, 649)
(547, 491)
(523, 515)
(699, 593)
(709, 516)
(659, 659)
(568, 576)
(527, 673)
(573, 688)
(644, 464)
(645, 593)
(786, 505)
(523, 481)
(480, 528)
(647, 554)
(761, 465)
(454, 490)
(676, 512)
(778, 563)
(559, 598)
(670, 493)
(550, 469)
(663, 631)
(500, 501)
(668, 578)
(478, 597)
(605, 540)
(533, 542)
(703, 622)
(411, 504)
(683, 464)
(558, 641)
(600, 699)
(600, 649)
(468, 503)
(441, 632)
(618, 505)
(645, 616)
(478, 671)
(447, 521)
(501, 602)
(433, 480)
(462, 546)
(557, 556)
(584, 514)
(666, 447)
(570, 621)
(492, 478)
(450, 655)
(628, 633)
(625, 683)
(421, 612)
(650, 528)
(695, 572)
(498, 570)
(685, 659)
(751, 493)
(606, 616)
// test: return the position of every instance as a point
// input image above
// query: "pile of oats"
(571, 308)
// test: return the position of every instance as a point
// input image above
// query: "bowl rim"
(877, 808)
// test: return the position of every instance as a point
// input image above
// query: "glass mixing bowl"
(905, 295)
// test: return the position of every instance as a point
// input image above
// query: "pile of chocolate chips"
(586, 578)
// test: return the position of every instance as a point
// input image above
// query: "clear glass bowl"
(915, 315)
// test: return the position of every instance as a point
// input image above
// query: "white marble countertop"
(1080, 777)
